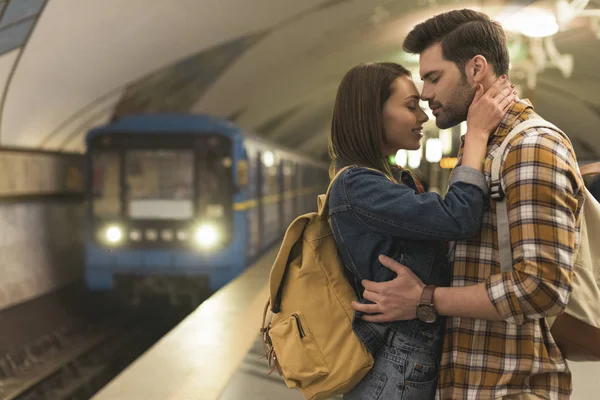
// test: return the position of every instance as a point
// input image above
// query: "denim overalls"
(371, 215)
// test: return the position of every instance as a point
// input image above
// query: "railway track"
(75, 361)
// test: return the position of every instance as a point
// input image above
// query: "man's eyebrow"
(427, 75)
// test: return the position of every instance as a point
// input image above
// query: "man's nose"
(426, 94)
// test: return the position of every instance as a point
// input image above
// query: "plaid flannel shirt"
(490, 359)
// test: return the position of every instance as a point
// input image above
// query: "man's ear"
(477, 69)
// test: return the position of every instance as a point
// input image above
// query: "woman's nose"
(423, 117)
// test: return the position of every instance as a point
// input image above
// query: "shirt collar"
(509, 120)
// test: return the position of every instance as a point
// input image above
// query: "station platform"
(252, 380)
(204, 356)
(216, 353)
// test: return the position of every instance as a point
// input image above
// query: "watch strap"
(427, 295)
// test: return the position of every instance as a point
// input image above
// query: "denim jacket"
(371, 215)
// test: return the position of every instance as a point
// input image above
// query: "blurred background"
(150, 151)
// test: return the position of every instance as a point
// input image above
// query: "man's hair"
(463, 35)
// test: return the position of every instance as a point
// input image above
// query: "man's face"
(448, 93)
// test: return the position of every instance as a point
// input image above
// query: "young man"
(497, 343)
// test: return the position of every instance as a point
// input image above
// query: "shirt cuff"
(471, 176)
(498, 287)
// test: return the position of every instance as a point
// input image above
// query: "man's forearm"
(468, 301)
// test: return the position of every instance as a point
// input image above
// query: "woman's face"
(403, 119)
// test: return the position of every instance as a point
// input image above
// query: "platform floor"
(215, 353)
(197, 359)
(586, 381)
(252, 382)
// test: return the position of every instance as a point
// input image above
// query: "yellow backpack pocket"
(299, 358)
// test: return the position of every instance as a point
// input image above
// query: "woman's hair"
(357, 133)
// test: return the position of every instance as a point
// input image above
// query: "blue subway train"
(182, 203)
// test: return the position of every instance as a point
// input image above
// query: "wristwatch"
(425, 310)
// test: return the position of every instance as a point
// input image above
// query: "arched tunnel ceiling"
(272, 66)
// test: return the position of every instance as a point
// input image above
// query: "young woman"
(376, 209)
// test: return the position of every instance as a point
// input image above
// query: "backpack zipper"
(299, 325)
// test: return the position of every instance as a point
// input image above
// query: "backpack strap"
(323, 199)
(497, 191)
(590, 169)
(291, 238)
(268, 344)
(284, 257)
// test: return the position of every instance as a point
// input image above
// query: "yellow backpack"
(310, 340)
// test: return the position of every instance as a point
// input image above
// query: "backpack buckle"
(496, 191)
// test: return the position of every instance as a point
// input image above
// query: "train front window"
(215, 182)
(106, 184)
(159, 184)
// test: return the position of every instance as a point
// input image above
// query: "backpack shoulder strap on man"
(497, 191)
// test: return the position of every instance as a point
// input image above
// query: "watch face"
(426, 314)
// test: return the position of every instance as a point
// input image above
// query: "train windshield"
(159, 184)
(106, 184)
(155, 177)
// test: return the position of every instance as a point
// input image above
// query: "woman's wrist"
(477, 135)
(474, 152)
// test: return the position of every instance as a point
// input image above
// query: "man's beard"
(456, 110)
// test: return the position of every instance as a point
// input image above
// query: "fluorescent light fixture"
(414, 158)
(433, 150)
(535, 22)
(268, 159)
(401, 158)
(446, 138)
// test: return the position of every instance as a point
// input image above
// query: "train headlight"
(207, 236)
(113, 234)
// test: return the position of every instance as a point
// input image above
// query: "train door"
(270, 196)
(281, 191)
(251, 203)
(297, 190)
(214, 180)
(289, 195)
(259, 197)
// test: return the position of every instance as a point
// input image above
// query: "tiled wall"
(41, 224)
